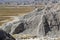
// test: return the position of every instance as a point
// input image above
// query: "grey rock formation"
(45, 22)
(20, 28)
(5, 36)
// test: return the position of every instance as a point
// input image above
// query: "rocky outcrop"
(40, 22)
(20, 28)
(5, 36)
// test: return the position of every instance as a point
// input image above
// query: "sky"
(15, 0)
(27, 0)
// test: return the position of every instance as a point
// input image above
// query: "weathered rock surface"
(40, 22)
(5, 36)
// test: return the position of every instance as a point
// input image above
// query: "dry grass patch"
(5, 18)
(24, 36)
(1, 23)
(5, 11)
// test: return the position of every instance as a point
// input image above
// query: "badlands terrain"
(38, 23)
(8, 13)
(31, 22)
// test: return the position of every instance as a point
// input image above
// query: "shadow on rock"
(5, 36)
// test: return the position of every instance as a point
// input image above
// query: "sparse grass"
(5, 11)
(15, 11)
(5, 18)
(1, 23)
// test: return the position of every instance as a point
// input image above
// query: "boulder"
(5, 36)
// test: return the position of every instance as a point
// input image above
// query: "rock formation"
(40, 22)
(5, 36)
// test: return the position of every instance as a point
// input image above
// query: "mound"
(40, 22)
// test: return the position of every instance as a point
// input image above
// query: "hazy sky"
(14, 0)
